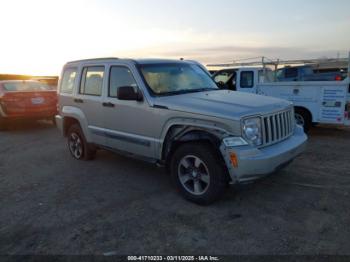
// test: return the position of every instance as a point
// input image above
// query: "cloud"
(227, 53)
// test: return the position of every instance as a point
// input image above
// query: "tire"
(3, 125)
(53, 119)
(77, 144)
(303, 118)
(198, 173)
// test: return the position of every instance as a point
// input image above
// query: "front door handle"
(77, 100)
(108, 104)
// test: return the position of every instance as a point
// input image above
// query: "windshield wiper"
(188, 91)
(205, 89)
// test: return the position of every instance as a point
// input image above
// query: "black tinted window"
(291, 72)
(247, 79)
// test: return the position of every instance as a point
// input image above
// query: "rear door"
(89, 99)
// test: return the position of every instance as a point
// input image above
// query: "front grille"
(277, 127)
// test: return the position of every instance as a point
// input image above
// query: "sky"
(39, 36)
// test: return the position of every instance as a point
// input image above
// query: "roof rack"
(264, 61)
(94, 59)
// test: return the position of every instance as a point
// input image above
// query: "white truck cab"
(314, 101)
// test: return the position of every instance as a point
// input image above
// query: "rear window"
(68, 80)
(26, 86)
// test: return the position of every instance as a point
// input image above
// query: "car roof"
(135, 61)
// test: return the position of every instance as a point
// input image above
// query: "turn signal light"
(234, 160)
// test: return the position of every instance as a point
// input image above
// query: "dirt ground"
(52, 204)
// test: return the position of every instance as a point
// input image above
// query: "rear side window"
(68, 80)
(291, 72)
(92, 81)
(120, 76)
(247, 79)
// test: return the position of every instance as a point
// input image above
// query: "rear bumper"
(29, 114)
(256, 163)
(27, 117)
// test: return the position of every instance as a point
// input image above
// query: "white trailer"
(325, 102)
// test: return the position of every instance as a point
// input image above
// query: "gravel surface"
(52, 204)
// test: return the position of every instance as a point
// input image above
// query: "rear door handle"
(108, 104)
(77, 100)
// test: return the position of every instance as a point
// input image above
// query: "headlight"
(252, 130)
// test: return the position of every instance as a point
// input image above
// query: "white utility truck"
(326, 102)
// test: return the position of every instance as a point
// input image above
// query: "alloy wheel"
(194, 175)
(75, 145)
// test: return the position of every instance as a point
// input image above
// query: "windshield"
(177, 78)
(26, 86)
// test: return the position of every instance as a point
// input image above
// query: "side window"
(291, 72)
(247, 79)
(92, 81)
(120, 76)
(68, 80)
(223, 76)
(280, 74)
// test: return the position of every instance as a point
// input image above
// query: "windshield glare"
(26, 86)
(167, 79)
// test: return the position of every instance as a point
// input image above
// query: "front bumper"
(256, 163)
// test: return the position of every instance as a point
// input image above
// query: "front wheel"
(77, 144)
(303, 118)
(198, 173)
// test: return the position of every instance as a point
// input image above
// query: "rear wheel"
(77, 144)
(2, 123)
(53, 119)
(303, 118)
(198, 173)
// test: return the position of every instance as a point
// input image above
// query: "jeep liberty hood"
(223, 103)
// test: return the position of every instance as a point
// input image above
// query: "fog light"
(234, 160)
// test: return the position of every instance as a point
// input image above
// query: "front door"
(129, 125)
(246, 81)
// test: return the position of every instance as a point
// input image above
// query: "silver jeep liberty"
(172, 113)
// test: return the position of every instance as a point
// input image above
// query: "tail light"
(338, 78)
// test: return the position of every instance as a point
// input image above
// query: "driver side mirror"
(128, 93)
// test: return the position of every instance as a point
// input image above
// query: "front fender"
(77, 113)
(193, 122)
(181, 126)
